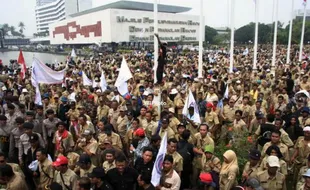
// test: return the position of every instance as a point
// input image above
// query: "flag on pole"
(156, 173)
(21, 61)
(123, 76)
(86, 80)
(304, 3)
(246, 51)
(226, 92)
(41, 73)
(190, 102)
(73, 53)
(103, 82)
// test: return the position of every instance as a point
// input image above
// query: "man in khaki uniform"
(114, 137)
(173, 121)
(303, 170)
(149, 126)
(64, 176)
(102, 109)
(275, 140)
(200, 141)
(86, 166)
(165, 128)
(88, 145)
(177, 158)
(46, 174)
(121, 122)
(304, 119)
(211, 118)
(73, 111)
(12, 180)
(141, 117)
(252, 167)
(113, 113)
(228, 116)
(271, 179)
(179, 103)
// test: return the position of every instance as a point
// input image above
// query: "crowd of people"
(82, 137)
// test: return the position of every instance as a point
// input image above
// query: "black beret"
(28, 125)
(30, 113)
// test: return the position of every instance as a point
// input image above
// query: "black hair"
(84, 182)
(61, 123)
(172, 140)
(204, 124)
(270, 118)
(168, 158)
(50, 111)
(43, 151)
(277, 132)
(110, 151)
(6, 171)
(120, 158)
(155, 138)
(83, 116)
(2, 155)
(239, 111)
(150, 149)
(276, 148)
(186, 134)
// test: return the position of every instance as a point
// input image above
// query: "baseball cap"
(306, 109)
(273, 161)
(139, 132)
(209, 105)
(134, 98)
(84, 159)
(61, 160)
(307, 128)
(107, 141)
(64, 99)
(255, 154)
(253, 183)
(206, 178)
(97, 172)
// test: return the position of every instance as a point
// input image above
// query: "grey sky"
(216, 12)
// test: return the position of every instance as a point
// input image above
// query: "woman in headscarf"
(229, 170)
(274, 150)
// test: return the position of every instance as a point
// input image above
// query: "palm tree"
(6, 29)
(12, 30)
(21, 26)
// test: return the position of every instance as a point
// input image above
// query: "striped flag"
(156, 173)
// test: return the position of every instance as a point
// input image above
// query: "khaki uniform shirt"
(180, 102)
(173, 124)
(107, 166)
(239, 126)
(304, 121)
(115, 138)
(69, 179)
(149, 127)
(211, 119)
(46, 173)
(177, 161)
(16, 183)
(300, 178)
(84, 173)
(170, 133)
(283, 149)
(303, 150)
(122, 125)
(206, 164)
(251, 171)
(66, 142)
(276, 183)
(102, 111)
(141, 120)
(229, 113)
(74, 113)
(113, 115)
(229, 179)
(286, 139)
(17, 169)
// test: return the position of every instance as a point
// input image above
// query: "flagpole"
(288, 59)
(201, 33)
(275, 37)
(232, 35)
(256, 34)
(156, 50)
(302, 32)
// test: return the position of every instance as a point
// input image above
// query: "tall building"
(50, 11)
(44, 2)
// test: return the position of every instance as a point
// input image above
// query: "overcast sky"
(216, 12)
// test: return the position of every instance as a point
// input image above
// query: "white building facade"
(57, 10)
(123, 25)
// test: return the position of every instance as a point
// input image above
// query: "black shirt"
(104, 186)
(125, 181)
(140, 166)
(162, 54)
(151, 187)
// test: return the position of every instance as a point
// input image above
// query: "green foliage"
(11, 30)
(241, 148)
(210, 33)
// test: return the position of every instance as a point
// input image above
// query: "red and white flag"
(304, 2)
(21, 61)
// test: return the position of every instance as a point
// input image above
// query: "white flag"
(41, 73)
(191, 102)
(226, 92)
(103, 82)
(246, 51)
(86, 80)
(73, 53)
(156, 173)
(123, 76)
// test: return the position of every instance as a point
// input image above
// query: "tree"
(6, 29)
(21, 26)
(210, 33)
